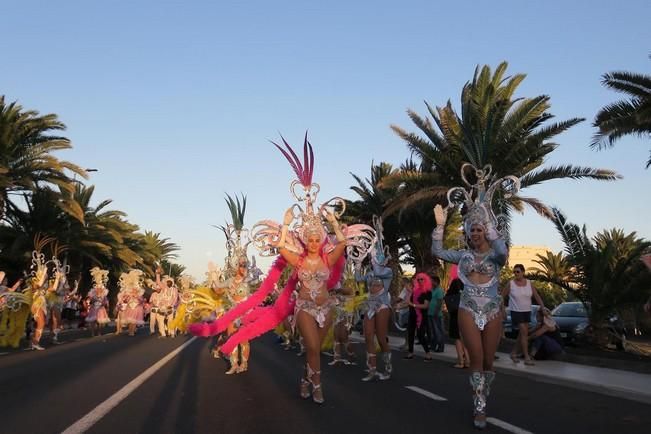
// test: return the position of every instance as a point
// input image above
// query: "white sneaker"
(37, 347)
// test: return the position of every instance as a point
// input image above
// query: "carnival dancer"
(343, 323)
(185, 306)
(55, 298)
(152, 307)
(70, 306)
(14, 308)
(39, 289)
(120, 309)
(240, 276)
(166, 301)
(378, 306)
(302, 243)
(480, 308)
(97, 315)
(133, 298)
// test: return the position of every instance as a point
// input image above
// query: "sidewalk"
(613, 382)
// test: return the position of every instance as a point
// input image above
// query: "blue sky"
(175, 102)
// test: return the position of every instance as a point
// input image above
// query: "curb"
(505, 366)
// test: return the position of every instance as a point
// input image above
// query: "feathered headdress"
(100, 277)
(39, 264)
(309, 220)
(237, 237)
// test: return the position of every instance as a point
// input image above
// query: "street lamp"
(74, 177)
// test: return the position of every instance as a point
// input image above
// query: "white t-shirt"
(404, 294)
(520, 297)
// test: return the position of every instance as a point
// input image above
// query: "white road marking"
(3, 354)
(507, 426)
(86, 422)
(426, 393)
(494, 421)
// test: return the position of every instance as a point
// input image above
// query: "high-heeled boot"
(388, 366)
(371, 364)
(478, 383)
(234, 359)
(317, 390)
(244, 364)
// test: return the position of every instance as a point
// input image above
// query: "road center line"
(83, 424)
(507, 426)
(426, 393)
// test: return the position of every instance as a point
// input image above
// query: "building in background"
(526, 255)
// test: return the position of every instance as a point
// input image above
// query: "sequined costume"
(272, 238)
(98, 303)
(483, 301)
(479, 271)
(313, 301)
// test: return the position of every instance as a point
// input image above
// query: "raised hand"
(330, 217)
(440, 215)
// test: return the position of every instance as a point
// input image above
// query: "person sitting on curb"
(546, 340)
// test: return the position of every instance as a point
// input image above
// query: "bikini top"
(485, 266)
(313, 280)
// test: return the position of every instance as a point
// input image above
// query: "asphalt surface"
(49, 391)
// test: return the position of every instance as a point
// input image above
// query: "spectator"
(546, 340)
(520, 291)
(435, 316)
(452, 299)
(418, 304)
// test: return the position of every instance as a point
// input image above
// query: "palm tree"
(91, 235)
(40, 216)
(98, 237)
(372, 202)
(154, 249)
(172, 269)
(493, 128)
(624, 117)
(552, 266)
(606, 271)
(26, 152)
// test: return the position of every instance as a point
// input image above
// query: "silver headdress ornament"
(237, 237)
(38, 268)
(62, 269)
(379, 251)
(477, 200)
(308, 220)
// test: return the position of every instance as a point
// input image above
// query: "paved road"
(49, 391)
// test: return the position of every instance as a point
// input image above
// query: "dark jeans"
(545, 347)
(423, 331)
(437, 333)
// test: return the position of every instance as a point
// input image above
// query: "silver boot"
(388, 367)
(372, 367)
(478, 383)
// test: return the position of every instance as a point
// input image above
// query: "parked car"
(512, 332)
(572, 319)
